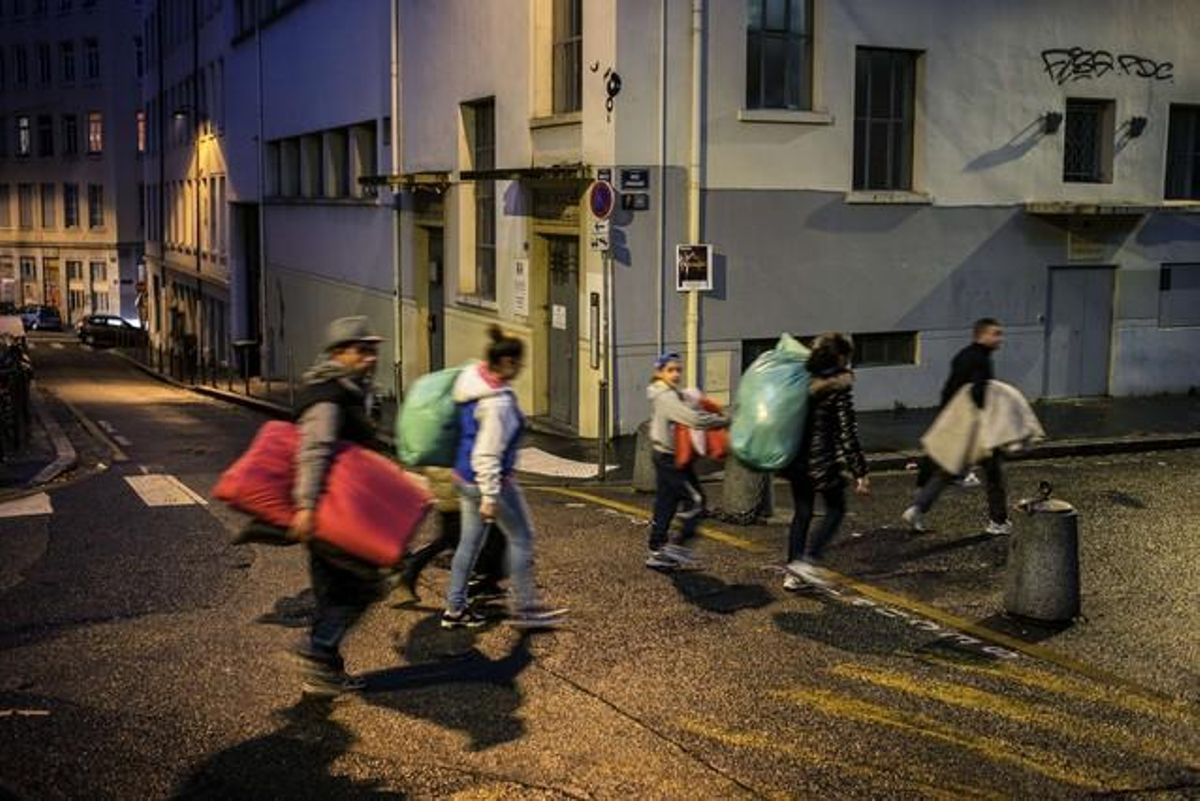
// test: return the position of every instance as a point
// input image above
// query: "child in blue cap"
(674, 486)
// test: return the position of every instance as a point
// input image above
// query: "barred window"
(779, 54)
(884, 110)
(568, 55)
(1087, 143)
(1183, 154)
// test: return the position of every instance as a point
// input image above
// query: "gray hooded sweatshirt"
(668, 409)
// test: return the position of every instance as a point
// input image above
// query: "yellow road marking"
(1052, 766)
(1097, 692)
(776, 744)
(966, 697)
(705, 530)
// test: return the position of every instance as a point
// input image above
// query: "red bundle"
(370, 508)
(716, 440)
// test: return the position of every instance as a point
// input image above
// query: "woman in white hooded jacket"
(491, 424)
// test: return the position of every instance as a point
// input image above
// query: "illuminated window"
(95, 132)
(24, 136)
(141, 132)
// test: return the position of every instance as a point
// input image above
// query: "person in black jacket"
(334, 405)
(971, 366)
(829, 445)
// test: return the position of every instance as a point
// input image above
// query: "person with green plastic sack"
(828, 446)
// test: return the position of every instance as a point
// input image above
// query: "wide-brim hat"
(349, 331)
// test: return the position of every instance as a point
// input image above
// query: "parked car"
(42, 318)
(109, 330)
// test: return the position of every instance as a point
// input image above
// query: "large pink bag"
(370, 507)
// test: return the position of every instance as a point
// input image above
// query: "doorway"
(1079, 331)
(562, 261)
(436, 322)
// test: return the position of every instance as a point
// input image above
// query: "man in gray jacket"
(333, 407)
(674, 486)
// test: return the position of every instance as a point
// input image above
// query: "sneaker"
(538, 618)
(913, 517)
(485, 591)
(684, 557)
(466, 619)
(793, 583)
(661, 560)
(331, 684)
(999, 529)
(806, 572)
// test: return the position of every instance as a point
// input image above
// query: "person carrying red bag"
(333, 406)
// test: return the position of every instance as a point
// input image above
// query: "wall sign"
(635, 179)
(558, 317)
(693, 268)
(521, 287)
(635, 201)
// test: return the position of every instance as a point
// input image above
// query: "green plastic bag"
(427, 428)
(770, 407)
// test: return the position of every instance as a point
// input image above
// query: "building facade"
(890, 168)
(71, 141)
(186, 283)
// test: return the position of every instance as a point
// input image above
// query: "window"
(1183, 154)
(5, 213)
(885, 85)
(141, 132)
(1179, 295)
(95, 206)
(3, 73)
(95, 132)
(24, 136)
(568, 55)
(66, 52)
(337, 181)
(779, 54)
(881, 350)
(311, 175)
(45, 124)
(91, 59)
(25, 205)
(76, 301)
(74, 271)
(3, 136)
(482, 126)
(1087, 143)
(98, 271)
(20, 66)
(45, 64)
(289, 163)
(28, 269)
(70, 125)
(362, 154)
(49, 206)
(139, 53)
(70, 205)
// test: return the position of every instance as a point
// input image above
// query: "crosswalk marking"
(28, 506)
(121, 440)
(158, 489)
(107, 426)
(57, 345)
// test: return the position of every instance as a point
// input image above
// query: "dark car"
(41, 318)
(109, 330)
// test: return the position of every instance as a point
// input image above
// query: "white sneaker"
(806, 572)
(793, 583)
(970, 481)
(999, 529)
(913, 517)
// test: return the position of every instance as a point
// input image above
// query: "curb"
(65, 455)
(257, 404)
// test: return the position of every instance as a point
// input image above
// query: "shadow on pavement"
(462, 689)
(292, 762)
(713, 594)
(291, 611)
(1031, 631)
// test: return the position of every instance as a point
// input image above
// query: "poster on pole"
(693, 268)
(521, 287)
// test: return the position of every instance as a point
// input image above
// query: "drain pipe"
(396, 167)
(663, 261)
(693, 299)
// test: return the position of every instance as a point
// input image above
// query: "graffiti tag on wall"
(1067, 64)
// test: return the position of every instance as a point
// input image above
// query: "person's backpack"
(770, 407)
(427, 428)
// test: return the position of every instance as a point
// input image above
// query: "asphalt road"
(139, 659)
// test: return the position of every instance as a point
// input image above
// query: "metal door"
(437, 302)
(563, 270)
(1079, 331)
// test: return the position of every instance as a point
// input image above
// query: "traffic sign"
(601, 199)
(600, 235)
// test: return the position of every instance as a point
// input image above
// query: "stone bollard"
(643, 460)
(1043, 562)
(747, 494)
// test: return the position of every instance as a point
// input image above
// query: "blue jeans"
(512, 516)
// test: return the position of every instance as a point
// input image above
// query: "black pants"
(342, 595)
(490, 564)
(674, 487)
(997, 492)
(804, 543)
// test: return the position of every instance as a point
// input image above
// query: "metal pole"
(265, 343)
(229, 367)
(606, 377)
(291, 368)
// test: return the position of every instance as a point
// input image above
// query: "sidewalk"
(1077, 427)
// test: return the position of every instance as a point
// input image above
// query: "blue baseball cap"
(665, 358)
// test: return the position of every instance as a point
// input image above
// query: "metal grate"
(1083, 144)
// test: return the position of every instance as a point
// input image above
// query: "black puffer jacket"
(830, 441)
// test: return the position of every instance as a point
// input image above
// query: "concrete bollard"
(1043, 562)
(747, 494)
(643, 460)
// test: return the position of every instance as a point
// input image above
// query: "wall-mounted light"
(1052, 122)
(181, 113)
(1137, 125)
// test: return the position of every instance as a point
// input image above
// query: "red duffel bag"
(370, 508)
(716, 440)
